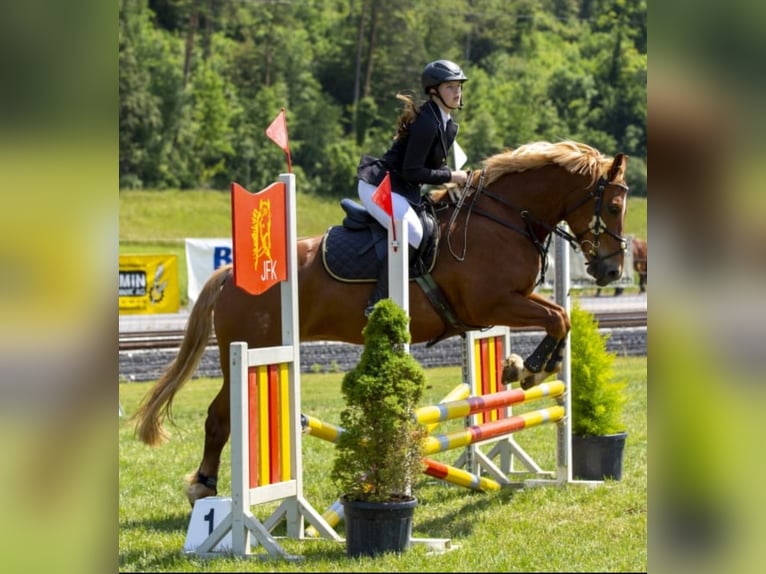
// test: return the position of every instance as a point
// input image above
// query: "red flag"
(382, 197)
(277, 132)
(259, 231)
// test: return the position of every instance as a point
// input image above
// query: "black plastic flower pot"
(598, 457)
(373, 528)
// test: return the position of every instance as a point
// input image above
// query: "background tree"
(201, 79)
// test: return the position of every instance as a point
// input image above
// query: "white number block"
(206, 515)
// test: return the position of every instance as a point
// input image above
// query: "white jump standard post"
(265, 407)
(398, 265)
(562, 286)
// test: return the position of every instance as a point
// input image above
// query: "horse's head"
(594, 210)
(598, 220)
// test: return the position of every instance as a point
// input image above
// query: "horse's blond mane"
(571, 155)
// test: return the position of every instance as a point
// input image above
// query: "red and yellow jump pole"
(477, 404)
(490, 430)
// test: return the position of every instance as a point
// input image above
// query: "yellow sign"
(149, 284)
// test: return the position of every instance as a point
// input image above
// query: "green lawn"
(551, 529)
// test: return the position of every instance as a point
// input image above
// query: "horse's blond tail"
(158, 402)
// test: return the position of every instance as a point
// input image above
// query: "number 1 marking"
(210, 518)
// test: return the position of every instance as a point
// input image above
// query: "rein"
(596, 226)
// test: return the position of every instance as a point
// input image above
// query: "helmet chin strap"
(446, 105)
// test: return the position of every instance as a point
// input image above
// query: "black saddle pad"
(352, 255)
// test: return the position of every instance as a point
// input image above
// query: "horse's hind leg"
(204, 481)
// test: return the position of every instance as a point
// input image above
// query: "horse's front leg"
(547, 357)
(204, 482)
(530, 371)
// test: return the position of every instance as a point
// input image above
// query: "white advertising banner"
(203, 256)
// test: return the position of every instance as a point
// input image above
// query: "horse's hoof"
(553, 366)
(196, 490)
(528, 382)
(514, 364)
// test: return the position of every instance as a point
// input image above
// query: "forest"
(200, 80)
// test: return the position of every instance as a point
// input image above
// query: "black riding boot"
(413, 255)
(381, 287)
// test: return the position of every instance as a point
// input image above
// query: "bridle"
(596, 226)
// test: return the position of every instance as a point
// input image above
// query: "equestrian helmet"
(440, 71)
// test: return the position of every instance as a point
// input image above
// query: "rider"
(418, 156)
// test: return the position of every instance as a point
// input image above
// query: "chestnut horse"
(492, 245)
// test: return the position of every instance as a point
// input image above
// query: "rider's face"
(451, 92)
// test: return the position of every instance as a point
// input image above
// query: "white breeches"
(402, 210)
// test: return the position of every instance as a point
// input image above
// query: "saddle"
(351, 251)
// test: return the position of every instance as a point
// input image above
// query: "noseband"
(597, 226)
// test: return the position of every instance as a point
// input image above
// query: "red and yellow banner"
(259, 229)
(149, 284)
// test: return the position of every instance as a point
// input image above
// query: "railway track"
(168, 339)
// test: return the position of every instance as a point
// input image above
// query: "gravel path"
(340, 357)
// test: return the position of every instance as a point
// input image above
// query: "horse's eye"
(614, 209)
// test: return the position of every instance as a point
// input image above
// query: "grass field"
(551, 529)
(158, 222)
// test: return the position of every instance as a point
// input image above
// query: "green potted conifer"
(379, 454)
(597, 402)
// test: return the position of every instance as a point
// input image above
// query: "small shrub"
(380, 451)
(597, 399)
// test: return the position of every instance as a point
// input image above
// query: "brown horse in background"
(639, 262)
(493, 245)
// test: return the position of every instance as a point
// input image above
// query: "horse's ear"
(617, 171)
